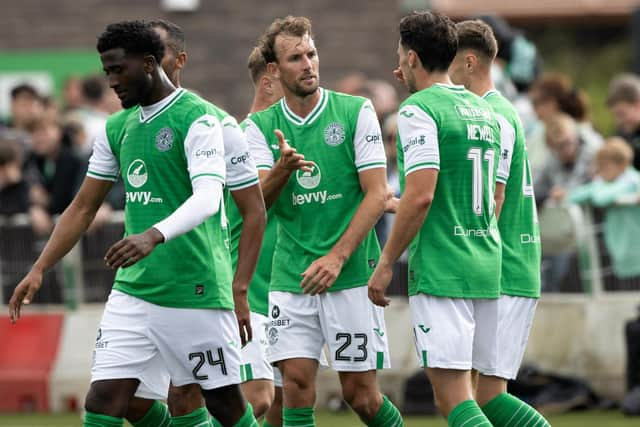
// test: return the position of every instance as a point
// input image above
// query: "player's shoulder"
(123, 115)
(263, 117)
(354, 101)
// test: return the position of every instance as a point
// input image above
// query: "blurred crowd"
(44, 147)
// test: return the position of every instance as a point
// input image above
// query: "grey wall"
(350, 35)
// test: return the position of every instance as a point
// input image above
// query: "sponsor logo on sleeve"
(207, 154)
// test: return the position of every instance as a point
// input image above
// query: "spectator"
(91, 114)
(624, 103)
(569, 163)
(26, 104)
(14, 190)
(551, 94)
(57, 168)
(72, 93)
(616, 188)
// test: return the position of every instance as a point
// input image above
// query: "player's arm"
(74, 221)
(507, 146)
(499, 197)
(370, 161)
(421, 165)
(207, 172)
(242, 181)
(274, 175)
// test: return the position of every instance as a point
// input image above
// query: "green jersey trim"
(215, 175)
(423, 165)
(372, 165)
(501, 179)
(312, 116)
(101, 176)
(457, 88)
(178, 95)
(244, 184)
(489, 93)
(263, 167)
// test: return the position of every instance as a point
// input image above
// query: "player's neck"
(302, 105)
(426, 80)
(481, 85)
(261, 102)
(161, 87)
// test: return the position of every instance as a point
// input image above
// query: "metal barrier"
(82, 276)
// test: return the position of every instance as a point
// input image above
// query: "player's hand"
(321, 274)
(132, 249)
(378, 284)
(241, 307)
(398, 75)
(391, 202)
(23, 293)
(290, 159)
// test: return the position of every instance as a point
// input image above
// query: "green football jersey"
(342, 137)
(456, 252)
(259, 286)
(518, 222)
(159, 155)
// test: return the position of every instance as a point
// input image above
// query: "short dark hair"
(432, 36)
(135, 37)
(94, 87)
(624, 88)
(477, 36)
(256, 64)
(175, 34)
(24, 89)
(296, 26)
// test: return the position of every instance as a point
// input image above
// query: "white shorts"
(455, 333)
(254, 355)
(156, 344)
(515, 317)
(347, 321)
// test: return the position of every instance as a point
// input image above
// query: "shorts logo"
(273, 336)
(424, 329)
(199, 289)
(309, 180)
(137, 173)
(275, 312)
(99, 334)
(164, 139)
(372, 263)
(334, 134)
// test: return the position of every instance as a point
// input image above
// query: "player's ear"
(412, 58)
(149, 63)
(470, 61)
(181, 59)
(265, 83)
(272, 68)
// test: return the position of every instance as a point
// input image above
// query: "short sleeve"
(241, 170)
(367, 142)
(418, 135)
(204, 149)
(103, 164)
(258, 146)
(507, 144)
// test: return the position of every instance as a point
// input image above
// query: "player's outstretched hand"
(132, 249)
(23, 293)
(378, 283)
(241, 307)
(398, 75)
(290, 159)
(321, 274)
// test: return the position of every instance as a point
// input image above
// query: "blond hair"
(615, 150)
